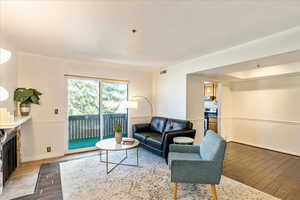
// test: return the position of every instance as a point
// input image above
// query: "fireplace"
(10, 148)
(9, 155)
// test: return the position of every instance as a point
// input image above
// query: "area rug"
(21, 183)
(87, 179)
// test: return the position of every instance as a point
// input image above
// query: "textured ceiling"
(168, 32)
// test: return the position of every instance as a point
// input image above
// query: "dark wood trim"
(96, 78)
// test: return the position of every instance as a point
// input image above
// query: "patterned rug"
(86, 179)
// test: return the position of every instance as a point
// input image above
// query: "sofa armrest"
(140, 127)
(184, 148)
(203, 171)
(168, 139)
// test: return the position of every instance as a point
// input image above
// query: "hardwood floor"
(272, 172)
(48, 185)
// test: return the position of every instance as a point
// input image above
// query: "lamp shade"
(130, 104)
(4, 55)
(3, 94)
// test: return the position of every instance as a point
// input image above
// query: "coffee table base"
(120, 162)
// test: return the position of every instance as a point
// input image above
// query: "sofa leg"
(214, 192)
(174, 191)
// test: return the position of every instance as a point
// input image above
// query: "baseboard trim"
(81, 151)
(41, 157)
(266, 148)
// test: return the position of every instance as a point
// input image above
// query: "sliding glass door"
(113, 113)
(94, 108)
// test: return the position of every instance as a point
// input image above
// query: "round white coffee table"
(183, 140)
(111, 145)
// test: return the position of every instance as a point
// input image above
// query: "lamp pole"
(148, 101)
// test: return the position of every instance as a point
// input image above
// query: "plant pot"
(25, 109)
(118, 137)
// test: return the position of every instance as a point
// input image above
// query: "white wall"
(171, 87)
(171, 93)
(224, 97)
(195, 104)
(47, 75)
(8, 73)
(266, 113)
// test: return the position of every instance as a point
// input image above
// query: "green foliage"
(30, 95)
(84, 97)
(112, 95)
(118, 128)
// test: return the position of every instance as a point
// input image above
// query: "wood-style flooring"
(272, 172)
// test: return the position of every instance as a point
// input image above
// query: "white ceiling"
(278, 65)
(168, 32)
(260, 72)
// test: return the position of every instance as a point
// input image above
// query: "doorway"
(211, 106)
(94, 108)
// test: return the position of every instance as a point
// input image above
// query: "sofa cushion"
(142, 136)
(158, 124)
(176, 124)
(154, 140)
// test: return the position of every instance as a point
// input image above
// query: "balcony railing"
(88, 126)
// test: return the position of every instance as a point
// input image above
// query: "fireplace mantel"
(16, 123)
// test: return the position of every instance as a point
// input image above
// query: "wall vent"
(163, 72)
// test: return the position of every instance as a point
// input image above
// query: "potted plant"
(118, 133)
(26, 97)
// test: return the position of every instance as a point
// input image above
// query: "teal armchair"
(201, 164)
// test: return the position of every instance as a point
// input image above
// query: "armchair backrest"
(213, 148)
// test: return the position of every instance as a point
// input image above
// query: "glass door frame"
(100, 85)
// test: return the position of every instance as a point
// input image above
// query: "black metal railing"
(88, 126)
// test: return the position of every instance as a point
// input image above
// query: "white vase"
(25, 109)
(118, 137)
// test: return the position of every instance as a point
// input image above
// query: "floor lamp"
(133, 104)
(146, 100)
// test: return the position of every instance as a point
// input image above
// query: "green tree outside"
(83, 97)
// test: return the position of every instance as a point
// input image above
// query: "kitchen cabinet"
(210, 89)
(211, 121)
(212, 124)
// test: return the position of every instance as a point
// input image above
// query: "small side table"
(183, 140)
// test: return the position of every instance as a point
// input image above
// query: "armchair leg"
(174, 191)
(214, 192)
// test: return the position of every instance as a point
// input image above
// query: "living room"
(143, 67)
